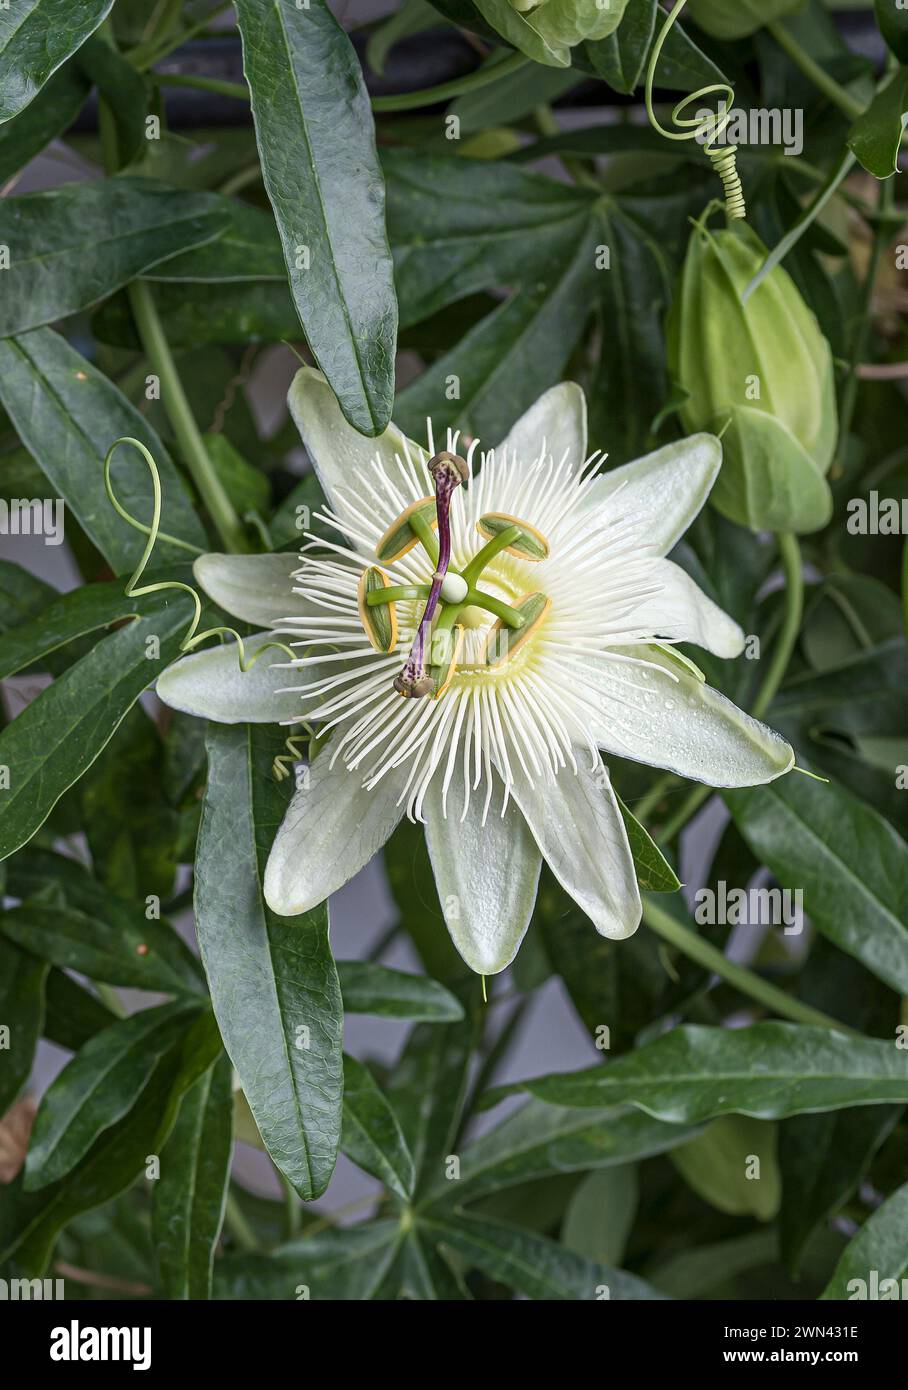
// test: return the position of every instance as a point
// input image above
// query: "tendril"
(708, 129)
(282, 764)
(192, 636)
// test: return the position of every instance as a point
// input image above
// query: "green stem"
(238, 1226)
(429, 96)
(293, 1211)
(812, 70)
(397, 593)
(238, 90)
(173, 397)
(744, 980)
(477, 599)
(111, 998)
(145, 55)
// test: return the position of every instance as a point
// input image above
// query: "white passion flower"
(480, 628)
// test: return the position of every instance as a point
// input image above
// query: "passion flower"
(554, 615)
(758, 373)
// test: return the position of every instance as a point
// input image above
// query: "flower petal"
(662, 715)
(343, 458)
(211, 685)
(681, 612)
(580, 831)
(331, 830)
(256, 588)
(664, 490)
(486, 875)
(559, 418)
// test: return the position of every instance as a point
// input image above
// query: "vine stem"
(239, 1227)
(400, 101)
(812, 70)
(790, 555)
(179, 411)
(157, 350)
(744, 980)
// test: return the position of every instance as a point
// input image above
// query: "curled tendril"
(723, 157)
(192, 636)
(280, 768)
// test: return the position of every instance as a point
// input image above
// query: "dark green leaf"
(36, 36)
(654, 873)
(249, 249)
(95, 933)
(683, 67)
(823, 1158)
(317, 147)
(191, 1193)
(893, 21)
(78, 243)
(877, 133)
(59, 735)
(343, 1264)
(199, 313)
(428, 1092)
(533, 1265)
(51, 114)
(371, 1135)
(621, 57)
(21, 1018)
(273, 983)
(68, 414)
(97, 1088)
(768, 1070)
(123, 88)
(374, 989)
(72, 1014)
(879, 1251)
(849, 863)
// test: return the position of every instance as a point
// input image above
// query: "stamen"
(448, 472)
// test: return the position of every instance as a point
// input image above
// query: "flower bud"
(735, 19)
(758, 374)
(565, 23)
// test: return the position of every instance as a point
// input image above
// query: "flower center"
(454, 603)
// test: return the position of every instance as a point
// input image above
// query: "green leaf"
(50, 115)
(768, 1070)
(621, 57)
(341, 1265)
(72, 1014)
(428, 1091)
(683, 67)
(21, 1017)
(374, 989)
(823, 1158)
(850, 864)
(601, 1213)
(36, 36)
(413, 17)
(124, 89)
(78, 243)
(719, 1166)
(372, 1136)
(24, 595)
(879, 1251)
(94, 932)
(249, 249)
(512, 97)
(68, 414)
(30, 1221)
(539, 1139)
(892, 19)
(273, 984)
(59, 734)
(654, 873)
(97, 1088)
(533, 1265)
(199, 313)
(877, 133)
(317, 147)
(191, 1194)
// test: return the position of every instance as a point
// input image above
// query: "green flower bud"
(760, 375)
(558, 25)
(735, 19)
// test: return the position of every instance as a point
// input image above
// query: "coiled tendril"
(723, 157)
(192, 637)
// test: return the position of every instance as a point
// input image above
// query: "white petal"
(256, 588)
(211, 685)
(681, 612)
(486, 875)
(665, 489)
(341, 456)
(668, 718)
(559, 418)
(331, 830)
(580, 831)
